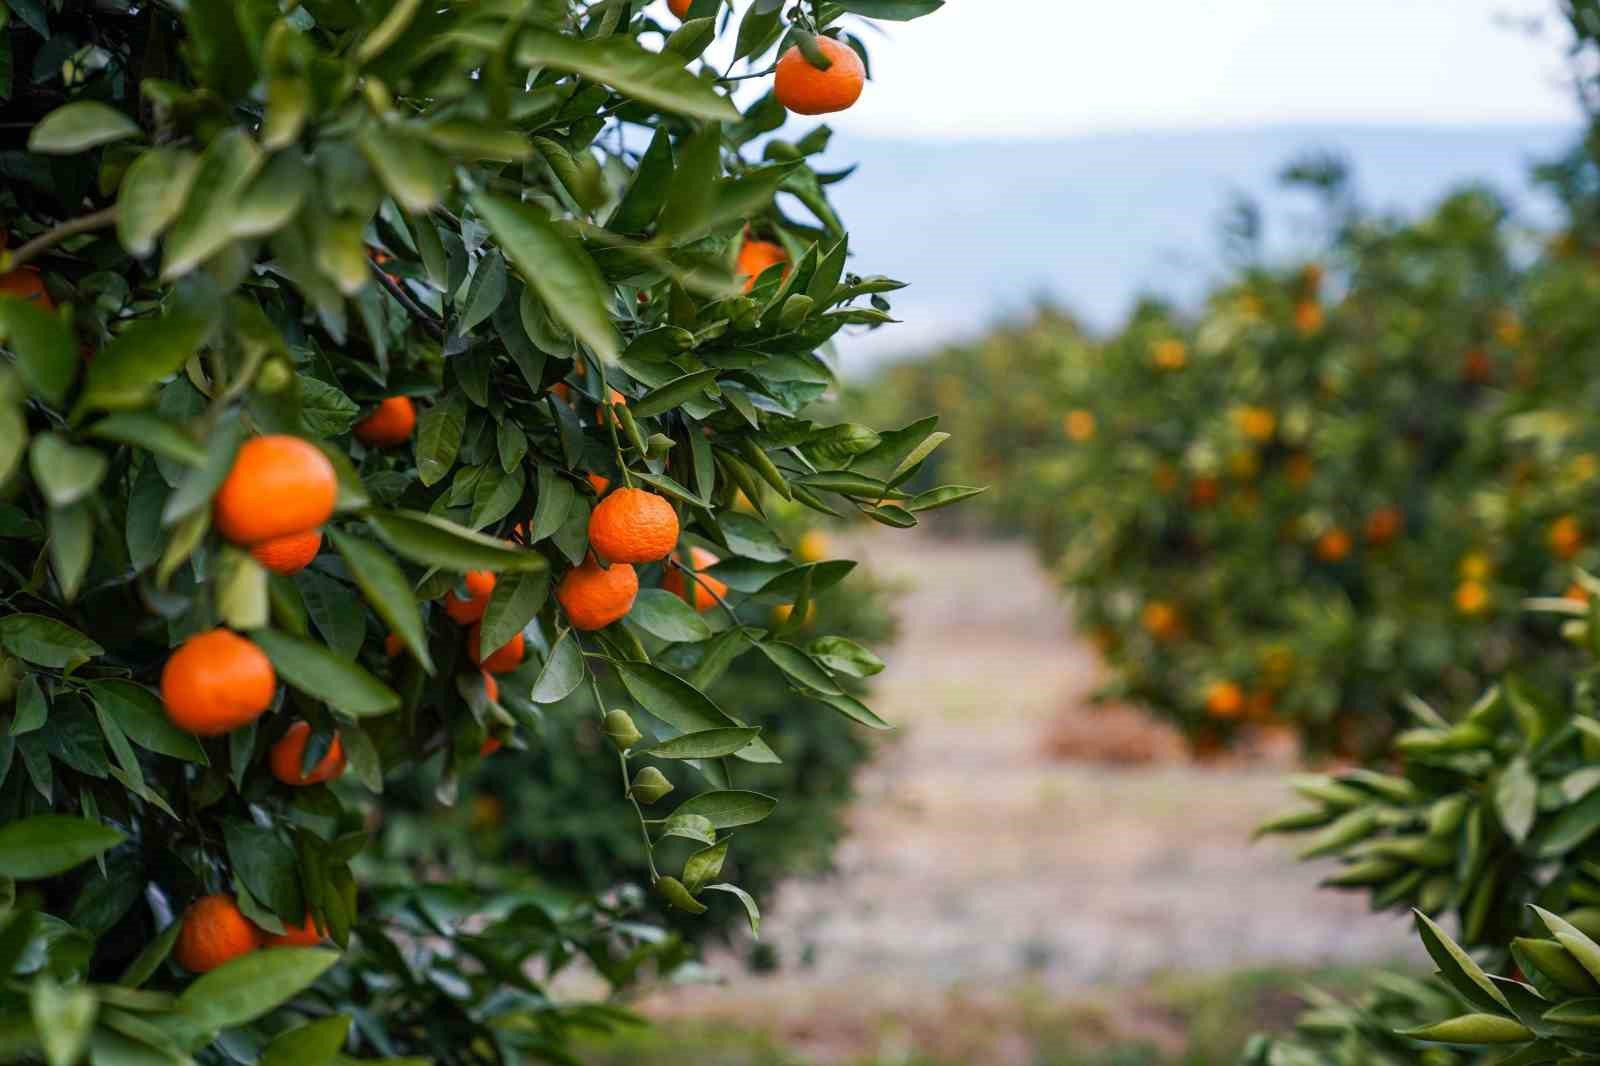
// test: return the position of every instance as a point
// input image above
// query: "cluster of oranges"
(215, 931)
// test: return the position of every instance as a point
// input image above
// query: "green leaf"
(690, 827)
(1516, 797)
(897, 10)
(320, 673)
(799, 667)
(667, 617)
(514, 603)
(46, 642)
(750, 909)
(150, 959)
(313, 1044)
(325, 411)
(65, 472)
(562, 672)
(63, 1018)
(265, 862)
(434, 541)
(439, 431)
(205, 224)
(687, 211)
(854, 710)
(643, 200)
(728, 808)
(706, 744)
(682, 706)
(555, 266)
(702, 866)
(415, 174)
(386, 588)
(620, 62)
(675, 393)
(749, 537)
(153, 433)
(1473, 1029)
(79, 126)
(49, 844)
(47, 354)
(845, 656)
(1457, 967)
(555, 496)
(496, 495)
(244, 989)
(152, 194)
(139, 714)
(193, 495)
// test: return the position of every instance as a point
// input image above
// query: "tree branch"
(45, 241)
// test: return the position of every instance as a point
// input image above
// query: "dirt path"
(976, 862)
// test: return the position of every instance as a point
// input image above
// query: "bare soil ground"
(980, 862)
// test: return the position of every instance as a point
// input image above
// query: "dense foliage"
(1332, 486)
(355, 353)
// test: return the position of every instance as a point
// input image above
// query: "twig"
(746, 77)
(45, 241)
(416, 310)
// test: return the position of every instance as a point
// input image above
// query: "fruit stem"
(622, 766)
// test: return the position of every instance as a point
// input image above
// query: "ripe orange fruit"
(599, 484)
(289, 752)
(503, 659)
(1299, 469)
(1476, 367)
(491, 687)
(1307, 317)
(480, 583)
(1333, 546)
(1079, 424)
(27, 283)
(1203, 491)
(813, 546)
(805, 90)
(1577, 593)
(594, 598)
(1169, 354)
(1161, 620)
(1257, 423)
(295, 936)
(1224, 699)
(1472, 597)
(562, 391)
(782, 611)
(393, 645)
(633, 526)
(602, 412)
(391, 423)
(1565, 536)
(754, 259)
(706, 589)
(214, 931)
(290, 554)
(278, 485)
(679, 8)
(1383, 525)
(216, 682)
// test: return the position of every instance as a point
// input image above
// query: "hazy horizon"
(987, 227)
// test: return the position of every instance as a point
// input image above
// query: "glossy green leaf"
(79, 126)
(48, 844)
(322, 674)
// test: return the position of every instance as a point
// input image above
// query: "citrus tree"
(1333, 484)
(377, 376)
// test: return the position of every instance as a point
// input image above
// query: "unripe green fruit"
(620, 730)
(649, 785)
(273, 377)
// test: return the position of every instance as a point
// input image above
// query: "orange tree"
(374, 373)
(1331, 485)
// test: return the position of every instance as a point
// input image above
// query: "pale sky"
(1044, 68)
